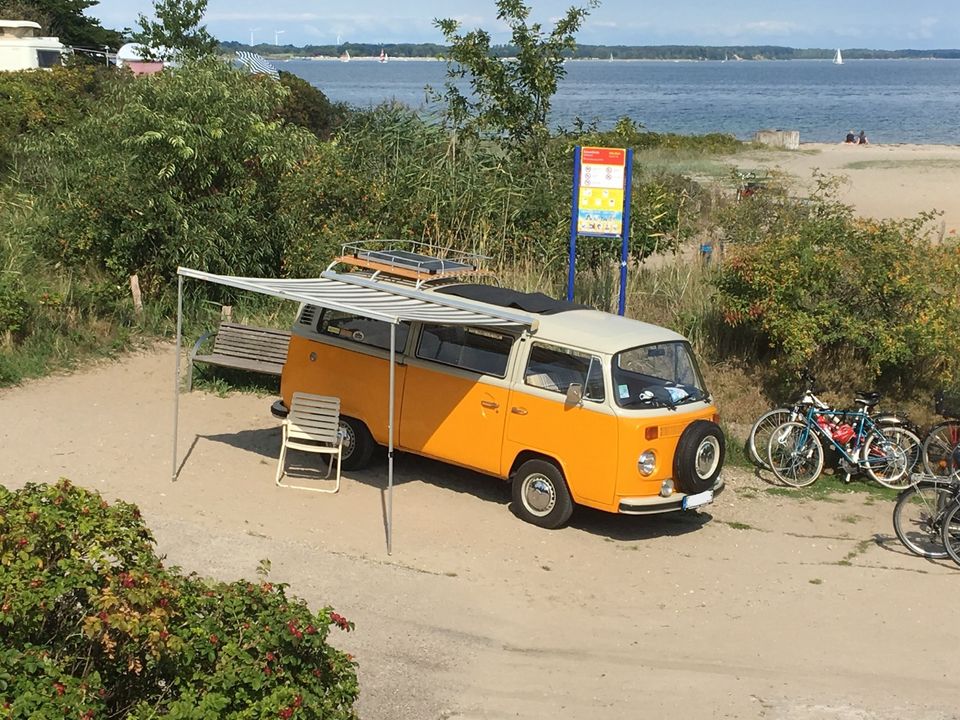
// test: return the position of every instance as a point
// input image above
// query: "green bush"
(389, 173)
(14, 309)
(818, 282)
(95, 626)
(309, 108)
(44, 102)
(177, 169)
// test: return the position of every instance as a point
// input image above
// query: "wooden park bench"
(243, 347)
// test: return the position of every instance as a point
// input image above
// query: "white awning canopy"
(368, 298)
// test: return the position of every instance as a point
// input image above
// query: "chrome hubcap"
(708, 456)
(539, 495)
(349, 440)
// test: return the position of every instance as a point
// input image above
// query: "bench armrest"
(198, 343)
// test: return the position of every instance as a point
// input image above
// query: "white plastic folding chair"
(312, 425)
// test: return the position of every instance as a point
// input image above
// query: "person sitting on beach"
(851, 138)
(862, 139)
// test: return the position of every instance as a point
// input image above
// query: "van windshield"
(659, 375)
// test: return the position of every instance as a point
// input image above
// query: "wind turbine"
(252, 31)
(276, 37)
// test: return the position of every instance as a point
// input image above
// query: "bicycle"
(763, 427)
(950, 528)
(944, 437)
(795, 449)
(769, 421)
(920, 513)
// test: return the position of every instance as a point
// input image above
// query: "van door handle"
(490, 404)
(518, 410)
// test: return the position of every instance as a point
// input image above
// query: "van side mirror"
(574, 394)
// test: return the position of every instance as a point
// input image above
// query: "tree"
(177, 32)
(63, 19)
(183, 170)
(309, 108)
(509, 96)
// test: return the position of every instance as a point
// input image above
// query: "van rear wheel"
(358, 444)
(540, 494)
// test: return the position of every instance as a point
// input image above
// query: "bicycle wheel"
(918, 516)
(885, 456)
(795, 454)
(759, 437)
(939, 448)
(950, 531)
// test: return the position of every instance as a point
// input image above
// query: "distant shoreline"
(400, 58)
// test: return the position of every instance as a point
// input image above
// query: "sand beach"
(881, 181)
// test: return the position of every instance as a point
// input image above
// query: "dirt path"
(765, 607)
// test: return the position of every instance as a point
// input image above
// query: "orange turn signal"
(652, 432)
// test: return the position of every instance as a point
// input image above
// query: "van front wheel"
(358, 445)
(540, 494)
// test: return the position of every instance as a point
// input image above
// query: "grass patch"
(737, 525)
(828, 486)
(223, 381)
(851, 519)
(696, 165)
(859, 549)
(916, 163)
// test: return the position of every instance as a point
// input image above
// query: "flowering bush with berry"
(94, 626)
(815, 284)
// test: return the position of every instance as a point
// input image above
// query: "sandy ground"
(883, 181)
(760, 607)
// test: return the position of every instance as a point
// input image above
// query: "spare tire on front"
(699, 457)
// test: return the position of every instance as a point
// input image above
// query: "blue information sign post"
(601, 205)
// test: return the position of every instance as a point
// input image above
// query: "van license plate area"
(692, 501)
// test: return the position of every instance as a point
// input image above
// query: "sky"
(878, 24)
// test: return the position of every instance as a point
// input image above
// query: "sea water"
(893, 101)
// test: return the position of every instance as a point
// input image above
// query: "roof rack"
(410, 260)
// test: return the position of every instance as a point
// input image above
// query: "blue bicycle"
(886, 454)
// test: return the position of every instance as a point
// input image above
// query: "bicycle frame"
(863, 424)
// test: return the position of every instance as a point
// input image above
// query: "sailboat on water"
(345, 57)
(838, 58)
(383, 56)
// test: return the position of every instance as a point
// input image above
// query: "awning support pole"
(393, 357)
(176, 377)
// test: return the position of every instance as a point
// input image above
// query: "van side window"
(477, 349)
(555, 368)
(361, 330)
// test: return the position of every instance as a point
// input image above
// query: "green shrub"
(817, 281)
(308, 107)
(43, 102)
(389, 173)
(95, 626)
(177, 169)
(14, 309)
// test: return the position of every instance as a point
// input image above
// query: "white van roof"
(564, 322)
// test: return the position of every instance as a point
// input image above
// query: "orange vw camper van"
(577, 407)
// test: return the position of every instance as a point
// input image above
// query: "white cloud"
(770, 27)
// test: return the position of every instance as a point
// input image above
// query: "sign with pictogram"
(601, 204)
(600, 195)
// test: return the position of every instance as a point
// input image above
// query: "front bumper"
(657, 504)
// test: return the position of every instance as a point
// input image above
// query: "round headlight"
(647, 462)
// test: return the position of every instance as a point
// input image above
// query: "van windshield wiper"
(655, 394)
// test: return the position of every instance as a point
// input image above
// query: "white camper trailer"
(23, 48)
